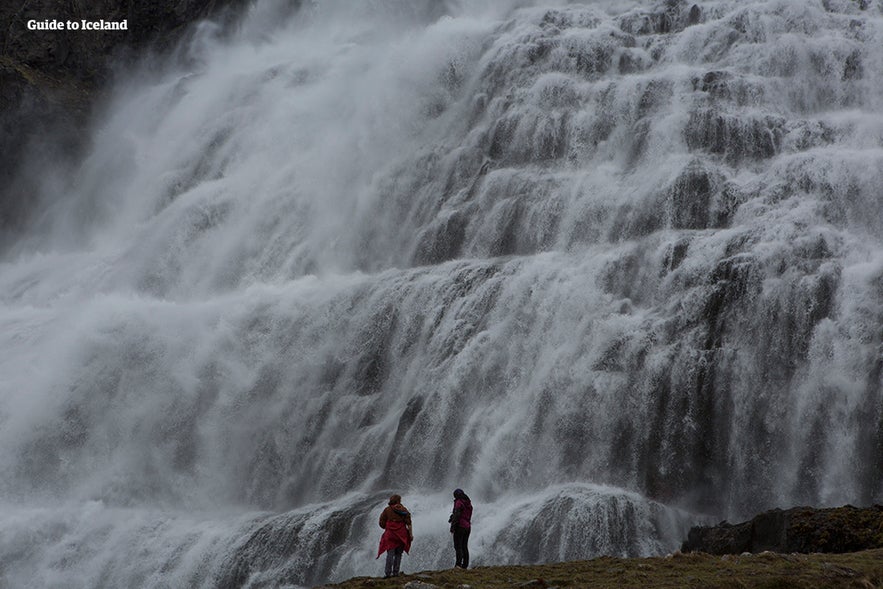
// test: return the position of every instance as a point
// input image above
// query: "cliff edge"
(799, 529)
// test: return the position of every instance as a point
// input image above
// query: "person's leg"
(458, 545)
(465, 562)
(397, 561)
(390, 559)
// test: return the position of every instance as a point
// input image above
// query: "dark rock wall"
(83, 54)
(49, 79)
(800, 529)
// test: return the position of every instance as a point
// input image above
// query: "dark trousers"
(461, 546)
(393, 560)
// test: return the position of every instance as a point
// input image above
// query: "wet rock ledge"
(799, 529)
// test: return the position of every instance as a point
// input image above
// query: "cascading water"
(612, 268)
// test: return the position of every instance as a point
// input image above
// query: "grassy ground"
(859, 570)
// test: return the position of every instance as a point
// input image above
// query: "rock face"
(800, 529)
(48, 78)
(83, 54)
(39, 113)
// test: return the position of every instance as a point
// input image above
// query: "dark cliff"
(800, 529)
(49, 79)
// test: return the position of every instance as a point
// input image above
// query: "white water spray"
(608, 268)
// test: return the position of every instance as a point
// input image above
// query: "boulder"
(799, 529)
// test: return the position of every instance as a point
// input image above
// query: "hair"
(395, 499)
(459, 494)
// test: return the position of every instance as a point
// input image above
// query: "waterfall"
(613, 268)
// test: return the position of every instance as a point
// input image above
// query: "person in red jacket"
(397, 535)
(461, 525)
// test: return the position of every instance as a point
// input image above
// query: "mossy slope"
(762, 571)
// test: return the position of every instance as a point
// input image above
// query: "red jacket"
(396, 522)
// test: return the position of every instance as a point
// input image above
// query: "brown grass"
(857, 570)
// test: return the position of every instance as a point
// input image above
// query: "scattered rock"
(840, 571)
(419, 585)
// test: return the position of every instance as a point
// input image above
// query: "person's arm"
(455, 518)
(383, 517)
